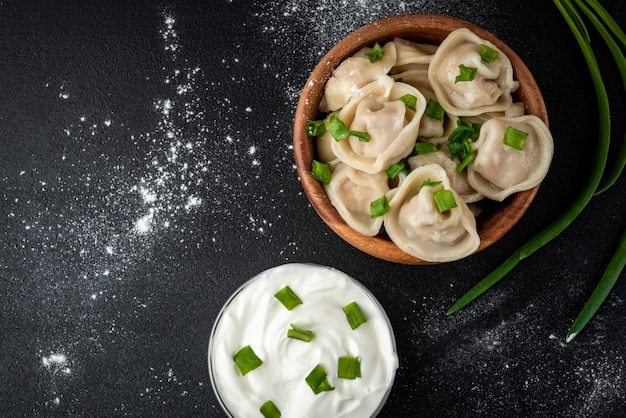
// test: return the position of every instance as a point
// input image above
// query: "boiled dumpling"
(499, 169)
(415, 225)
(351, 192)
(492, 86)
(391, 124)
(353, 74)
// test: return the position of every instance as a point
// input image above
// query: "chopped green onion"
(354, 315)
(379, 207)
(434, 110)
(574, 21)
(288, 298)
(399, 80)
(363, 136)
(376, 53)
(299, 334)
(444, 199)
(515, 138)
(321, 171)
(466, 73)
(430, 183)
(425, 148)
(349, 368)
(269, 410)
(487, 53)
(464, 130)
(246, 360)
(315, 128)
(409, 101)
(318, 381)
(394, 169)
(466, 161)
(337, 128)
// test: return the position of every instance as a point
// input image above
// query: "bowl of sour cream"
(301, 340)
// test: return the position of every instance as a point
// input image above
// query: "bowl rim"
(424, 28)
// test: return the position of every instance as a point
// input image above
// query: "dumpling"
(391, 124)
(492, 86)
(415, 225)
(353, 74)
(458, 181)
(500, 170)
(351, 192)
(410, 53)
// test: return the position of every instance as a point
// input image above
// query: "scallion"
(288, 298)
(349, 367)
(434, 110)
(354, 315)
(363, 136)
(466, 73)
(299, 334)
(376, 53)
(444, 200)
(315, 128)
(379, 207)
(430, 183)
(337, 128)
(269, 410)
(487, 53)
(466, 161)
(318, 380)
(246, 360)
(409, 101)
(515, 138)
(425, 148)
(321, 172)
(394, 169)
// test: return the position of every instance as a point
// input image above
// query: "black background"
(193, 103)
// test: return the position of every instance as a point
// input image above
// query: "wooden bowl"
(422, 28)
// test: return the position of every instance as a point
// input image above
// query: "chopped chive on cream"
(515, 138)
(466, 73)
(349, 367)
(269, 410)
(429, 183)
(394, 169)
(288, 298)
(246, 360)
(424, 148)
(487, 53)
(300, 334)
(321, 172)
(379, 207)
(376, 53)
(363, 136)
(315, 128)
(434, 110)
(444, 200)
(318, 380)
(354, 315)
(409, 101)
(337, 128)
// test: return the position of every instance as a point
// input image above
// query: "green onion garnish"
(269, 410)
(315, 128)
(354, 315)
(487, 53)
(288, 298)
(318, 381)
(363, 136)
(299, 334)
(409, 101)
(515, 138)
(434, 110)
(466, 73)
(379, 207)
(376, 53)
(321, 171)
(466, 161)
(459, 143)
(349, 368)
(337, 128)
(444, 199)
(430, 183)
(246, 360)
(425, 148)
(394, 169)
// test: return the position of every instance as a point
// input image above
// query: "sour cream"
(254, 317)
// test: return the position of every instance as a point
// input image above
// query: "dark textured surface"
(146, 172)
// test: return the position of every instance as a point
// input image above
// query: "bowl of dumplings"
(421, 139)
